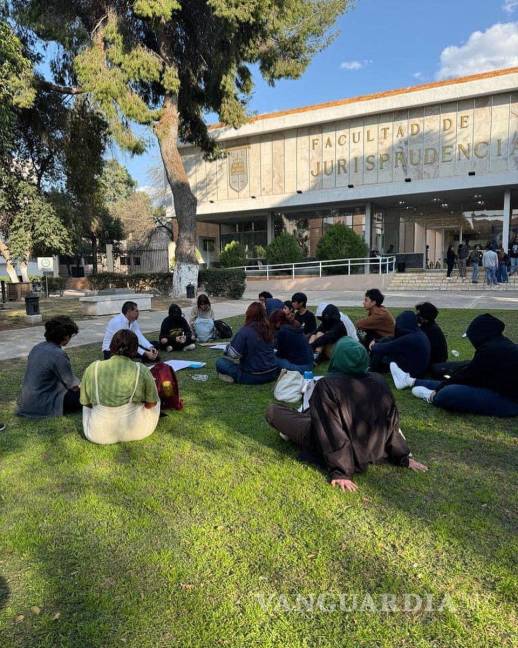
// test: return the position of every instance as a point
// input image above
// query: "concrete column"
(109, 257)
(507, 219)
(368, 225)
(55, 265)
(269, 228)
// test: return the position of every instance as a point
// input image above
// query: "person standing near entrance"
(463, 253)
(490, 263)
(450, 260)
(513, 255)
(476, 261)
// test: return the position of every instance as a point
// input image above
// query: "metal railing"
(360, 265)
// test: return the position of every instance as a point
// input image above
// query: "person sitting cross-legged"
(488, 385)
(304, 317)
(330, 330)
(175, 332)
(119, 397)
(249, 358)
(127, 319)
(352, 420)
(410, 347)
(50, 387)
(293, 350)
(379, 322)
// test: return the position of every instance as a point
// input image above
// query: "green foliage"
(232, 255)
(115, 182)
(341, 242)
(259, 252)
(140, 282)
(284, 249)
(222, 282)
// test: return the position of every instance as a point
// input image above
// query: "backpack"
(203, 329)
(223, 330)
(167, 386)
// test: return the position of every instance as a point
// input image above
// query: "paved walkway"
(18, 342)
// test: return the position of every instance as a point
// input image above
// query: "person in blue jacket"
(293, 350)
(409, 348)
(249, 358)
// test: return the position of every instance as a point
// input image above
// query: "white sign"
(46, 264)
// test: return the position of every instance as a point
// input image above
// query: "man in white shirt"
(490, 263)
(128, 320)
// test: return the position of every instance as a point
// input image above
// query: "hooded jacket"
(495, 363)
(175, 325)
(293, 346)
(410, 348)
(331, 326)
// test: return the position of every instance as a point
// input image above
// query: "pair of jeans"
(450, 268)
(282, 363)
(228, 368)
(474, 272)
(514, 265)
(462, 267)
(471, 400)
(502, 273)
(491, 276)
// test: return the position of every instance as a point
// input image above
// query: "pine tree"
(165, 64)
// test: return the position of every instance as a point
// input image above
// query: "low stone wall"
(309, 284)
(112, 304)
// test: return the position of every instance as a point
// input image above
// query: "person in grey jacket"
(490, 263)
(50, 387)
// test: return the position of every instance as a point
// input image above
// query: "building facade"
(411, 170)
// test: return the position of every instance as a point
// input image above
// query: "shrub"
(233, 255)
(259, 252)
(221, 282)
(284, 249)
(140, 282)
(341, 242)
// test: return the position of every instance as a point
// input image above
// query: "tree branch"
(55, 87)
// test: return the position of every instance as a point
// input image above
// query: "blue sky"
(385, 44)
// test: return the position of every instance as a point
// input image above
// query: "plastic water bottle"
(308, 377)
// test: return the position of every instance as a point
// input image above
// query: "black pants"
(450, 268)
(71, 401)
(439, 369)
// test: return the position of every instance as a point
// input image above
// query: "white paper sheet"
(178, 365)
(219, 347)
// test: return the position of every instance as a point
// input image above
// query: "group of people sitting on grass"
(352, 419)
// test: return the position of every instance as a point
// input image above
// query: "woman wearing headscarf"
(175, 332)
(249, 359)
(352, 420)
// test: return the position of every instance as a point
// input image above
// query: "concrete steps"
(438, 281)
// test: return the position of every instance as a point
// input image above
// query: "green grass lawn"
(205, 533)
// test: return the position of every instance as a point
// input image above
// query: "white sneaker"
(284, 437)
(169, 349)
(424, 393)
(401, 378)
(189, 347)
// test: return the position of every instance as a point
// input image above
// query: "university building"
(411, 170)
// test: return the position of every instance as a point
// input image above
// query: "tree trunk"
(93, 238)
(24, 270)
(9, 264)
(186, 268)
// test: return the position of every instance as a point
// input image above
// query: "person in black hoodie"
(331, 329)
(488, 385)
(293, 350)
(426, 316)
(175, 332)
(410, 348)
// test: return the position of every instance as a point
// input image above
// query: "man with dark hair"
(426, 316)
(128, 320)
(50, 387)
(264, 295)
(379, 323)
(304, 317)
